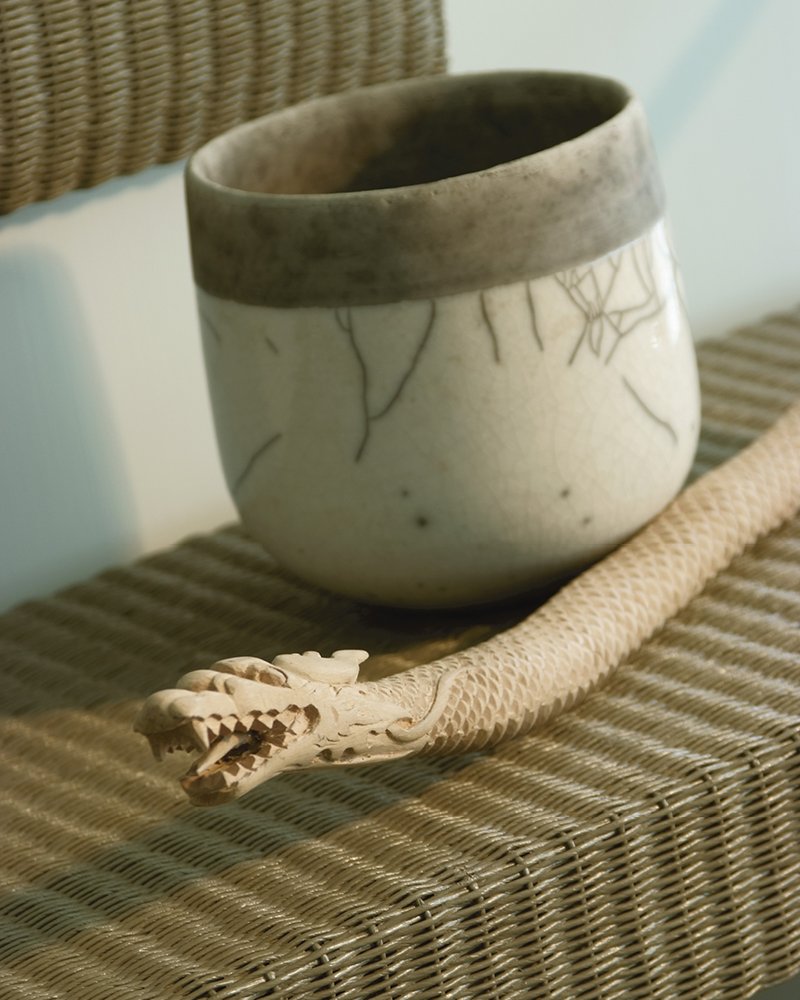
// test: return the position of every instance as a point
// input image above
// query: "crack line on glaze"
(597, 317)
(593, 311)
(490, 327)
(409, 371)
(240, 479)
(346, 325)
(598, 329)
(647, 280)
(653, 416)
(212, 328)
(534, 319)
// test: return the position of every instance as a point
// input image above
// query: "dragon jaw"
(249, 720)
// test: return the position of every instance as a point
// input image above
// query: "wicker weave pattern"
(90, 89)
(644, 845)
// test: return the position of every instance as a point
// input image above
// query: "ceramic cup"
(444, 334)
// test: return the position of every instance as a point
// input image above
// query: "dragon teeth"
(227, 725)
(218, 750)
(222, 779)
(300, 725)
(200, 734)
(193, 736)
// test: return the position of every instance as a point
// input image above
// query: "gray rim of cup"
(421, 188)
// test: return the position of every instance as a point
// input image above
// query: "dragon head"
(250, 719)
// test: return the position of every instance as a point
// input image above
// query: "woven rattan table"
(646, 844)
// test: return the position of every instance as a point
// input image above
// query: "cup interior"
(409, 134)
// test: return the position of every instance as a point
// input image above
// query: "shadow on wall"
(64, 506)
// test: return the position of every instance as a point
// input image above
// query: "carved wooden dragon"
(250, 719)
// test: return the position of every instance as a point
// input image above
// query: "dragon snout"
(177, 719)
(246, 720)
(166, 710)
(230, 745)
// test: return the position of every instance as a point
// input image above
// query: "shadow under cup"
(445, 342)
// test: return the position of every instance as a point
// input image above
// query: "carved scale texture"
(559, 653)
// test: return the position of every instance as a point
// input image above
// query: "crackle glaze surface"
(462, 448)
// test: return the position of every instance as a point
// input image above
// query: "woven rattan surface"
(646, 844)
(90, 89)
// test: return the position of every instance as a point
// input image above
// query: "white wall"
(106, 445)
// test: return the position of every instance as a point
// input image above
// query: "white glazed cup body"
(444, 334)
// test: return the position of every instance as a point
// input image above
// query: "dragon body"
(249, 719)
